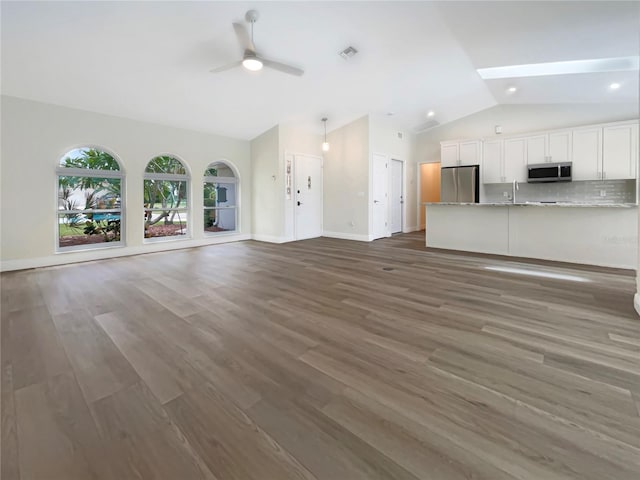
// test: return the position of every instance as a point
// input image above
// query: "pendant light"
(325, 144)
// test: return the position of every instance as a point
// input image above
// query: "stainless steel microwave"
(549, 172)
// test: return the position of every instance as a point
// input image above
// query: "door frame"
(294, 217)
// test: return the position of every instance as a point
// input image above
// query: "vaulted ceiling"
(150, 60)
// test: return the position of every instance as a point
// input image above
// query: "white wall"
(35, 136)
(518, 119)
(268, 215)
(383, 138)
(346, 181)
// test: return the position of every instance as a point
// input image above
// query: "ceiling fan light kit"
(252, 63)
(250, 59)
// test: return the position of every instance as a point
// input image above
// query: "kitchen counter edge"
(539, 204)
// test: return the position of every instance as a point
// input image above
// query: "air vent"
(348, 52)
(423, 127)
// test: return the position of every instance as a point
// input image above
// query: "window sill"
(90, 247)
(221, 234)
(173, 238)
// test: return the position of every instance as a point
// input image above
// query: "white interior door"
(379, 196)
(308, 196)
(396, 198)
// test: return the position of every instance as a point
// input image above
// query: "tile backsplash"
(615, 191)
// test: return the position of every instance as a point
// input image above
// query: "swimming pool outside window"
(90, 207)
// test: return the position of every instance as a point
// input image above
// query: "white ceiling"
(150, 60)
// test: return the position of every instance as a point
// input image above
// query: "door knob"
(376, 201)
(299, 203)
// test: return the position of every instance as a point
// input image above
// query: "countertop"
(540, 204)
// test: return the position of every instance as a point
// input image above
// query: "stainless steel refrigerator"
(460, 184)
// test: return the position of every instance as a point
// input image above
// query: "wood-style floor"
(321, 359)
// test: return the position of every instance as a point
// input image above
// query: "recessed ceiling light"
(512, 89)
(614, 86)
(430, 113)
(617, 64)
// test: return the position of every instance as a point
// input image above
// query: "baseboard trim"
(412, 229)
(269, 238)
(347, 236)
(103, 254)
(636, 302)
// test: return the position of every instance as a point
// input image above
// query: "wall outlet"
(505, 194)
(603, 193)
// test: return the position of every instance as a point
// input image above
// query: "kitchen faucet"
(516, 187)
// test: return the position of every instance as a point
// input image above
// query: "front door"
(397, 196)
(308, 196)
(379, 196)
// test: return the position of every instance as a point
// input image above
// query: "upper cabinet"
(597, 152)
(560, 146)
(607, 152)
(449, 155)
(503, 161)
(620, 152)
(492, 161)
(455, 154)
(587, 153)
(515, 155)
(551, 147)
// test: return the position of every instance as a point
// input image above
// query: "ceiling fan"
(250, 59)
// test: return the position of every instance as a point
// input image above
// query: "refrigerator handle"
(455, 183)
(473, 183)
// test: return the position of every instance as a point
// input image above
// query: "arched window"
(166, 198)
(220, 199)
(90, 209)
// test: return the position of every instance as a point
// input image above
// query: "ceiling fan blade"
(282, 67)
(223, 68)
(243, 37)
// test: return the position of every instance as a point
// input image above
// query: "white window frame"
(174, 177)
(222, 180)
(92, 173)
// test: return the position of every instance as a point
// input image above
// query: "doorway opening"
(429, 189)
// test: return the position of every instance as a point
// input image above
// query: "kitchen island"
(592, 234)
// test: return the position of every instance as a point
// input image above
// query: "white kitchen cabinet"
(469, 153)
(552, 147)
(587, 154)
(605, 153)
(515, 160)
(449, 155)
(492, 161)
(560, 146)
(454, 154)
(536, 149)
(504, 161)
(620, 152)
